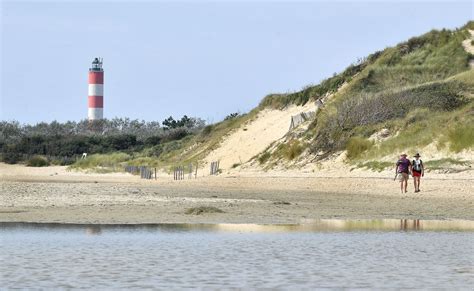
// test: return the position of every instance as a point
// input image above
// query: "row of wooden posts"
(214, 168)
(178, 171)
(145, 172)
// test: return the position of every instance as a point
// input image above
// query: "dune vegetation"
(420, 91)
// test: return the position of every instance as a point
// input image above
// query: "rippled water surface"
(180, 256)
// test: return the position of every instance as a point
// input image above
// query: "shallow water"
(396, 254)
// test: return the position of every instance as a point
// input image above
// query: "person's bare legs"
(415, 184)
(404, 183)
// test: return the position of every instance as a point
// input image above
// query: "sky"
(199, 58)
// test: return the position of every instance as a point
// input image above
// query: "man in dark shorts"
(418, 171)
(402, 170)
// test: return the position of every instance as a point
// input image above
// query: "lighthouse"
(96, 91)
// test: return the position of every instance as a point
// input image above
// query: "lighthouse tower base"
(95, 114)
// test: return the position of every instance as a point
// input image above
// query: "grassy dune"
(421, 90)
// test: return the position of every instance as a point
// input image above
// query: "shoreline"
(316, 226)
(55, 195)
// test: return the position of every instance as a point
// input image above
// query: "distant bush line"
(19, 142)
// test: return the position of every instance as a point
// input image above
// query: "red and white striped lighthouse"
(96, 91)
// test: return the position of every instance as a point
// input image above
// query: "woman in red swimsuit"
(417, 171)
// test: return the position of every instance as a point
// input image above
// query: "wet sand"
(55, 195)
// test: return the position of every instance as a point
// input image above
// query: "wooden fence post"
(214, 168)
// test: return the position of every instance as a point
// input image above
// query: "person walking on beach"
(402, 170)
(417, 171)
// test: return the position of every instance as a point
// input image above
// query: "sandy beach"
(54, 194)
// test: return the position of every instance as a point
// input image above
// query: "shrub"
(154, 151)
(37, 161)
(121, 142)
(281, 203)
(202, 210)
(175, 134)
(171, 146)
(264, 157)
(461, 137)
(231, 116)
(185, 121)
(62, 161)
(207, 130)
(417, 116)
(11, 158)
(275, 101)
(100, 160)
(153, 140)
(293, 149)
(356, 146)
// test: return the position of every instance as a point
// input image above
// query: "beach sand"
(54, 194)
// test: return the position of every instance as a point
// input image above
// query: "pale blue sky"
(203, 59)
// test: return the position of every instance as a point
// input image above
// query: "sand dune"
(255, 136)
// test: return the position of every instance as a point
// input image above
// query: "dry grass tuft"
(203, 210)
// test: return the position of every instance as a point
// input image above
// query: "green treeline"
(64, 141)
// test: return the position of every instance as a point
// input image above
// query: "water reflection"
(343, 254)
(407, 224)
(320, 225)
(93, 230)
